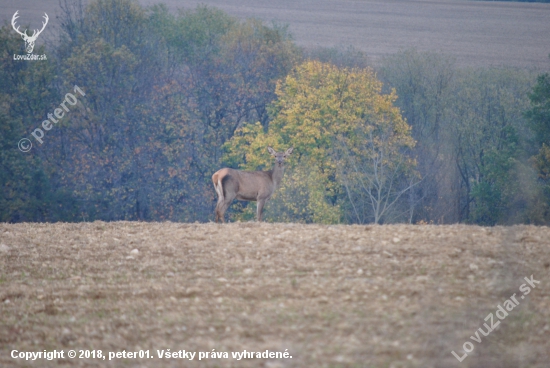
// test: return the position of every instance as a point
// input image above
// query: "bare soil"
(477, 33)
(332, 296)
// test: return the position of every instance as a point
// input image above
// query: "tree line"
(172, 97)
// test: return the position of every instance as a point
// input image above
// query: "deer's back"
(249, 185)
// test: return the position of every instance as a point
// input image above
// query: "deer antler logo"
(29, 40)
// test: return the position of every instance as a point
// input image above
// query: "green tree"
(28, 189)
(539, 117)
(472, 138)
(539, 113)
(490, 140)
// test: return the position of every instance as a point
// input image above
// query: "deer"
(256, 186)
(29, 40)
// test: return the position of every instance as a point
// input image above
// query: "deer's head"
(280, 156)
(29, 40)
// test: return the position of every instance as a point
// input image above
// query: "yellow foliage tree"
(328, 114)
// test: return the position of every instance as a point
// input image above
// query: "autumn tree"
(107, 148)
(164, 91)
(333, 117)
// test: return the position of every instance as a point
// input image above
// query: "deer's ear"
(289, 151)
(271, 150)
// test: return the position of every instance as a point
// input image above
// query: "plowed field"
(329, 296)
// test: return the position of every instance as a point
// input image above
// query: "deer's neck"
(277, 175)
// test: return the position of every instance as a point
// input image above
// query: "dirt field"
(478, 33)
(330, 296)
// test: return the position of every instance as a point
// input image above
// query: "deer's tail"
(219, 190)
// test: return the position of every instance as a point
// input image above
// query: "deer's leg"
(225, 205)
(261, 203)
(219, 192)
(227, 189)
(217, 212)
(220, 210)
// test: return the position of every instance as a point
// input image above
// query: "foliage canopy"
(332, 116)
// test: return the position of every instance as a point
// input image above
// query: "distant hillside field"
(330, 296)
(476, 32)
